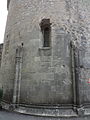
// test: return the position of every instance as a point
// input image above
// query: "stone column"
(17, 83)
(76, 79)
(73, 72)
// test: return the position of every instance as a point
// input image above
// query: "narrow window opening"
(46, 37)
(46, 32)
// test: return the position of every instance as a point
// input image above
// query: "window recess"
(46, 32)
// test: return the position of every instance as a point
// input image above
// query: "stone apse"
(45, 67)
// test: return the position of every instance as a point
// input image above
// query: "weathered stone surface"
(1, 49)
(46, 73)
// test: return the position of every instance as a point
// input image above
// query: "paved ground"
(4, 115)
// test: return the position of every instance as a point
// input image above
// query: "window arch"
(46, 32)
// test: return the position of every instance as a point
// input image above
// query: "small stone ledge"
(45, 48)
(45, 51)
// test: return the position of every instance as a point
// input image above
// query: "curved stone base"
(47, 111)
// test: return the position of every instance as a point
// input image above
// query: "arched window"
(46, 32)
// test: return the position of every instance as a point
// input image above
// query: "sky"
(3, 18)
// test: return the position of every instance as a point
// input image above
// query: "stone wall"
(46, 73)
(1, 49)
(8, 2)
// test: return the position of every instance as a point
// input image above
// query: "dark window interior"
(46, 37)
(46, 32)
